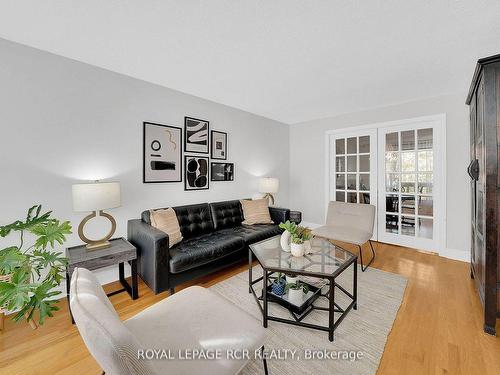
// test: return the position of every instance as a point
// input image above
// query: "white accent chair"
(351, 223)
(195, 318)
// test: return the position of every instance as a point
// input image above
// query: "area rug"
(359, 339)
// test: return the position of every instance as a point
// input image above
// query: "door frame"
(440, 159)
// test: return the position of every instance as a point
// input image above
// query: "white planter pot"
(291, 279)
(307, 247)
(296, 296)
(285, 241)
(297, 249)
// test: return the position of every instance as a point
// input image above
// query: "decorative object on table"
(119, 252)
(162, 153)
(196, 173)
(255, 212)
(269, 186)
(218, 145)
(25, 286)
(222, 172)
(306, 235)
(291, 279)
(196, 135)
(286, 236)
(296, 292)
(296, 217)
(278, 285)
(95, 197)
(297, 246)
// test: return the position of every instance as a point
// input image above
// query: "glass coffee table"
(326, 262)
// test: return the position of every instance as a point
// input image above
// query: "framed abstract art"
(196, 173)
(196, 135)
(162, 153)
(218, 149)
(222, 172)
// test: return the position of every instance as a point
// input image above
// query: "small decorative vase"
(291, 279)
(307, 247)
(285, 241)
(278, 286)
(296, 296)
(297, 249)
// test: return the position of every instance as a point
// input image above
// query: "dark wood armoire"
(484, 170)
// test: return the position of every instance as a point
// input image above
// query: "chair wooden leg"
(2, 317)
(31, 322)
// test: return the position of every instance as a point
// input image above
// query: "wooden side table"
(119, 252)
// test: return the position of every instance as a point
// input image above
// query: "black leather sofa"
(213, 238)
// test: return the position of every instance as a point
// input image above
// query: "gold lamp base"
(103, 242)
(270, 197)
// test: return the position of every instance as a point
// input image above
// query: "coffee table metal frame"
(332, 308)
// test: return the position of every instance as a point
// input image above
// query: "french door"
(398, 167)
(354, 177)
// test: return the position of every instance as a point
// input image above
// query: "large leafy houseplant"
(35, 270)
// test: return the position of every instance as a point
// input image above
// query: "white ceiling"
(290, 60)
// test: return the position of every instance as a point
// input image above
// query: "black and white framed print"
(222, 172)
(162, 153)
(196, 135)
(196, 177)
(218, 145)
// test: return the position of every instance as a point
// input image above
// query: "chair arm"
(279, 215)
(152, 254)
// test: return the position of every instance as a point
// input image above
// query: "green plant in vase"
(296, 292)
(289, 229)
(28, 275)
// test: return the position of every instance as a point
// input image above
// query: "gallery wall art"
(196, 173)
(218, 145)
(162, 153)
(196, 135)
(222, 172)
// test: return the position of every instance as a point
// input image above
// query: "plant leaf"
(10, 259)
(50, 232)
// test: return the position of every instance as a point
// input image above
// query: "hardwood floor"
(438, 329)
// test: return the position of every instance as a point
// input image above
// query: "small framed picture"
(196, 135)
(218, 145)
(162, 153)
(222, 172)
(196, 173)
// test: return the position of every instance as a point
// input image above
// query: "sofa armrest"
(279, 215)
(152, 253)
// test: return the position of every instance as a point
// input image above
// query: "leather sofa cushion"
(200, 250)
(226, 214)
(254, 233)
(194, 220)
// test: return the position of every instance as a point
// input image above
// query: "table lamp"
(96, 197)
(269, 186)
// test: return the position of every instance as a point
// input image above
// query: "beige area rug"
(363, 331)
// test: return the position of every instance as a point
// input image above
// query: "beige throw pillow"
(166, 221)
(256, 211)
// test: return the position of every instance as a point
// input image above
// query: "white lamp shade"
(96, 196)
(269, 185)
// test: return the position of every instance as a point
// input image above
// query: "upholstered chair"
(351, 223)
(193, 319)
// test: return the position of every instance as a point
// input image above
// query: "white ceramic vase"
(291, 279)
(285, 241)
(297, 249)
(296, 296)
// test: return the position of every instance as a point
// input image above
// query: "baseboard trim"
(463, 256)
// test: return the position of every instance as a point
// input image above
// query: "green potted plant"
(278, 285)
(296, 292)
(289, 229)
(297, 245)
(306, 234)
(28, 275)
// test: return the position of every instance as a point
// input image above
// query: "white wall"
(307, 162)
(63, 121)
